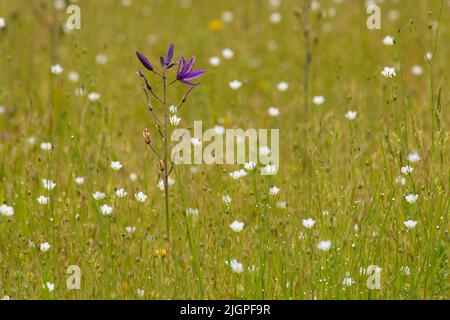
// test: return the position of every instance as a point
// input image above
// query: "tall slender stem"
(165, 171)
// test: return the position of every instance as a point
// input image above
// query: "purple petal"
(193, 74)
(169, 54)
(189, 83)
(190, 64)
(144, 61)
(163, 63)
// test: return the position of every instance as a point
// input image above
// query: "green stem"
(165, 171)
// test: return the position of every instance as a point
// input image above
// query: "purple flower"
(169, 54)
(166, 62)
(186, 73)
(144, 61)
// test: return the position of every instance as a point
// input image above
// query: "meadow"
(359, 206)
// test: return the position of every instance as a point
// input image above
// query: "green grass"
(327, 163)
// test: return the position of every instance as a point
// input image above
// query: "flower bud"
(146, 135)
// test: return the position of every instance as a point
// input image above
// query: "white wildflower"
(45, 246)
(140, 196)
(324, 245)
(237, 226)
(411, 198)
(116, 165)
(98, 195)
(235, 84)
(43, 200)
(106, 210)
(56, 69)
(309, 223)
(388, 72)
(236, 266)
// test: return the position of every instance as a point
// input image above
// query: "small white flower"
(48, 184)
(121, 193)
(31, 140)
(46, 146)
(275, 17)
(309, 223)
(226, 199)
(347, 281)
(228, 53)
(2, 23)
(193, 212)
(73, 76)
(79, 180)
(196, 141)
(250, 166)
(406, 169)
(413, 157)
(130, 229)
(50, 286)
(282, 86)
(236, 266)
(56, 69)
(140, 196)
(116, 165)
(174, 120)
(388, 72)
(6, 211)
(160, 184)
(106, 210)
(417, 70)
(400, 180)
(140, 292)
(406, 270)
(101, 59)
(43, 200)
(269, 169)
(238, 174)
(237, 226)
(4, 297)
(235, 84)
(45, 246)
(273, 191)
(227, 16)
(411, 198)
(410, 224)
(133, 176)
(214, 61)
(318, 100)
(428, 56)
(173, 109)
(273, 112)
(351, 115)
(94, 96)
(98, 195)
(388, 41)
(324, 245)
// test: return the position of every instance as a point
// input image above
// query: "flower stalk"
(184, 75)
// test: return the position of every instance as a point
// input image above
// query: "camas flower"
(185, 71)
(144, 61)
